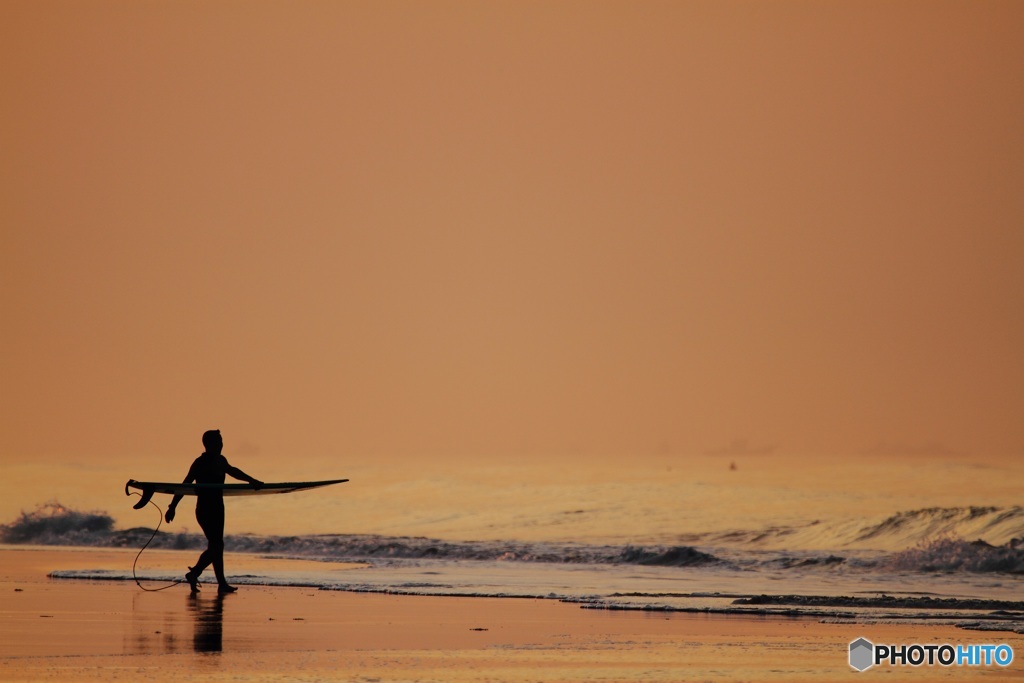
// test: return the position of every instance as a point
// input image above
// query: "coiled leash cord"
(160, 521)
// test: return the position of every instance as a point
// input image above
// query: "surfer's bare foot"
(225, 588)
(193, 580)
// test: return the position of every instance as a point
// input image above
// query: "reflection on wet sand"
(162, 627)
(209, 623)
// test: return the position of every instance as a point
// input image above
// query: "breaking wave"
(961, 522)
(894, 533)
(52, 523)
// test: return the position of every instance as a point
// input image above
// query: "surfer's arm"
(189, 478)
(169, 515)
(239, 474)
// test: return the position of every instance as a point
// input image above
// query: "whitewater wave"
(365, 547)
(952, 554)
(54, 524)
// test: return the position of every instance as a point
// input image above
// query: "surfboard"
(148, 488)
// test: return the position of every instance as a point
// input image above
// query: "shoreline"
(104, 630)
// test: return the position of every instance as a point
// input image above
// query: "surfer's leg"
(192, 576)
(208, 523)
(214, 530)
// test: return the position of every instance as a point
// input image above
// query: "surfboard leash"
(160, 520)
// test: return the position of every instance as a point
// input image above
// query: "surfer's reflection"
(209, 623)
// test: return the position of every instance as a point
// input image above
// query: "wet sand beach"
(58, 629)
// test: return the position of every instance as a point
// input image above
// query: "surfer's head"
(212, 441)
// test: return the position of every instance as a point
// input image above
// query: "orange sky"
(499, 229)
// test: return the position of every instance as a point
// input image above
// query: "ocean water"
(864, 539)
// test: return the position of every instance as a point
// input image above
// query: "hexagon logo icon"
(862, 653)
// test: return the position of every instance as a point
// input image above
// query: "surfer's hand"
(169, 515)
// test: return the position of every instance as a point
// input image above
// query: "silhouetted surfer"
(210, 468)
